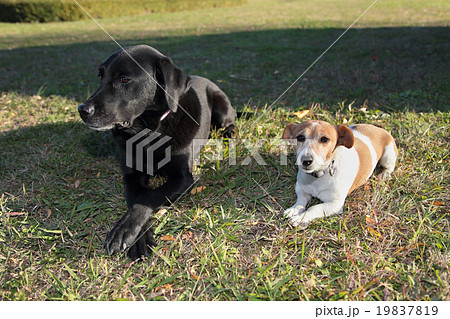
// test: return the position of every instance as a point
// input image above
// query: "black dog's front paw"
(229, 131)
(123, 235)
(143, 246)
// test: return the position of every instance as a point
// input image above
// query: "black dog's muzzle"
(86, 110)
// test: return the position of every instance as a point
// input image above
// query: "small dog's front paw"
(299, 220)
(292, 211)
(123, 235)
(295, 215)
(385, 175)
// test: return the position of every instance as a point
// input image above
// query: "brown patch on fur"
(379, 137)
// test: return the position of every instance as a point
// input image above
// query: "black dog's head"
(133, 80)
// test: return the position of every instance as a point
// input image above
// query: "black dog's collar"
(330, 169)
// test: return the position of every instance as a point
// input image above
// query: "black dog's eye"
(324, 139)
(301, 138)
(124, 79)
(100, 75)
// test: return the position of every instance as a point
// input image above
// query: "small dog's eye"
(124, 79)
(301, 138)
(324, 139)
(100, 76)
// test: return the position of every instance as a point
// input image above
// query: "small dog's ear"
(287, 134)
(174, 82)
(345, 136)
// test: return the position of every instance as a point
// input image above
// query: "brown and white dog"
(333, 161)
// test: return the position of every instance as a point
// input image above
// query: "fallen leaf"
(373, 232)
(15, 213)
(163, 287)
(167, 238)
(188, 235)
(197, 190)
(301, 114)
(196, 215)
(437, 203)
(76, 184)
(49, 213)
(194, 276)
(370, 221)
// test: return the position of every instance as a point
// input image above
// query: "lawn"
(61, 187)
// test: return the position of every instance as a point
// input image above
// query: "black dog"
(142, 92)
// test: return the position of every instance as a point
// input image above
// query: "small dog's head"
(133, 80)
(316, 142)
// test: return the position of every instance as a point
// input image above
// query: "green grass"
(61, 188)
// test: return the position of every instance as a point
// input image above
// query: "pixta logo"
(144, 145)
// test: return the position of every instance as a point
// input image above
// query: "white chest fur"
(327, 187)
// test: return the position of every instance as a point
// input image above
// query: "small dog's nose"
(86, 109)
(306, 161)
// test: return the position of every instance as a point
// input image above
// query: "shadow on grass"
(48, 158)
(59, 177)
(385, 68)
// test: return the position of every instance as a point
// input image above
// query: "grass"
(61, 188)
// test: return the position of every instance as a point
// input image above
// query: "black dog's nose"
(306, 161)
(86, 109)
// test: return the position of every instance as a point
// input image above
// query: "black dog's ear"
(174, 82)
